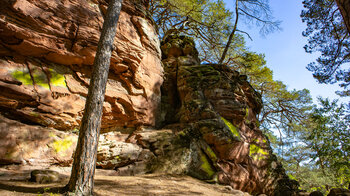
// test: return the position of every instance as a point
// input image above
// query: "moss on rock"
(232, 128)
(60, 146)
(38, 77)
(207, 167)
(257, 153)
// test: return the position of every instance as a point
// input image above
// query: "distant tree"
(82, 177)
(328, 34)
(251, 11)
(322, 145)
(310, 176)
(199, 15)
(282, 108)
(328, 137)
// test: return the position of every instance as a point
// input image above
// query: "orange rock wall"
(47, 49)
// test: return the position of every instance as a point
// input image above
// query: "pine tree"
(82, 177)
(328, 34)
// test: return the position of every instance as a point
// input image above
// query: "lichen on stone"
(40, 78)
(246, 113)
(232, 128)
(260, 140)
(57, 79)
(257, 153)
(206, 166)
(62, 145)
(211, 154)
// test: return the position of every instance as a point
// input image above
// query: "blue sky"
(284, 51)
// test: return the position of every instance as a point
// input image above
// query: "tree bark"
(82, 177)
(344, 7)
(223, 56)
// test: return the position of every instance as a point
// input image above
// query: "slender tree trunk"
(223, 56)
(344, 7)
(82, 177)
(320, 161)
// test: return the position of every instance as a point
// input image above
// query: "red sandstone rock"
(53, 42)
(34, 145)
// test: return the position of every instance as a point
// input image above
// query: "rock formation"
(212, 110)
(201, 121)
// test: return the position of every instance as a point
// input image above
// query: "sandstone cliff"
(200, 121)
(46, 52)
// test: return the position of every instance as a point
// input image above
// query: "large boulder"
(45, 176)
(47, 50)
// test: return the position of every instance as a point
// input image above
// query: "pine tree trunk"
(344, 7)
(82, 177)
(224, 53)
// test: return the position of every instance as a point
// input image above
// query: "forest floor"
(14, 181)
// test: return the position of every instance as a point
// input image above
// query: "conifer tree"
(82, 177)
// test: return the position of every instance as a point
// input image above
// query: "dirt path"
(14, 182)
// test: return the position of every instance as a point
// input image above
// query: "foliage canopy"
(327, 34)
(321, 148)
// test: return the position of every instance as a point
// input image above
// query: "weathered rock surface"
(34, 145)
(46, 53)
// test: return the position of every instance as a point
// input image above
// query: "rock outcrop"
(47, 49)
(201, 121)
(217, 132)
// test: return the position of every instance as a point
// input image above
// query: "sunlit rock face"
(47, 50)
(34, 145)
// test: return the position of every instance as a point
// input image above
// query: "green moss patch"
(246, 113)
(40, 78)
(206, 166)
(257, 153)
(232, 128)
(62, 145)
(57, 79)
(211, 154)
